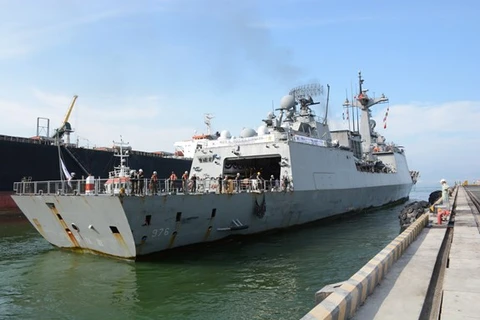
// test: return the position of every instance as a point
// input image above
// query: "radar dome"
(247, 133)
(262, 130)
(225, 134)
(270, 115)
(287, 102)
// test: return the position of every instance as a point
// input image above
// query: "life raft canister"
(90, 185)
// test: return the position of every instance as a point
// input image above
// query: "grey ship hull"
(120, 226)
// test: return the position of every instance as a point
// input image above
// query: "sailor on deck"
(285, 183)
(220, 183)
(238, 181)
(154, 183)
(134, 181)
(172, 179)
(141, 182)
(185, 181)
(225, 183)
(258, 182)
(194, 183)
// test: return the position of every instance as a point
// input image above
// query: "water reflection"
(65, 285)
(271, 276)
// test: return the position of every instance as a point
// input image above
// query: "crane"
(65, 128)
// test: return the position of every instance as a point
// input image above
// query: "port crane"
(65, 128)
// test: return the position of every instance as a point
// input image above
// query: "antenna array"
(314, 89)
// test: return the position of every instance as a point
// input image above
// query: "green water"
(268, 277)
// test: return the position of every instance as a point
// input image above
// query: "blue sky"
(149, 70)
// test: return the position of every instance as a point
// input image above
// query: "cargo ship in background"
(37, 158)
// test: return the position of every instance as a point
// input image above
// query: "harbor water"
(272, 276)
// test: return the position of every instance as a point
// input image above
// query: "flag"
(66, 173)
(385, 119)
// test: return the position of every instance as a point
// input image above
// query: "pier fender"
(260, 209)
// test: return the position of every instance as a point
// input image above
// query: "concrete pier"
(461, 283)
(436, 277)
(402, 292)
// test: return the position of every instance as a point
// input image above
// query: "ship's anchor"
(260, 209)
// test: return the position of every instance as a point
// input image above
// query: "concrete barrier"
(344, 301)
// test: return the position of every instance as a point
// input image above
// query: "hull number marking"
(160, 232)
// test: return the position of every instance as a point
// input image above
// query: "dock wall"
(346, 299)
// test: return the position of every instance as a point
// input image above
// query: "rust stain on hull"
(140, 246)
(178, 225)
(39, 227)
(121, 241)
(209, 229)
(72, 237)
(87, 250)
(207, 234)
(172, 239)
(62, 222)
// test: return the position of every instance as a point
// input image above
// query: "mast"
(326, 105)
(208, 123)
(364, 103)
(346, 105)
(358, 120)
(352, 113)
(122, 169)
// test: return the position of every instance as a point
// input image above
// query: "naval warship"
(291, 171)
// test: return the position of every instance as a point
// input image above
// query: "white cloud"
(440, 140)
(46, 23)
(142, 121)
(427, 118)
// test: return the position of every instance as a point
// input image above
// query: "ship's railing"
(49, 141)
(25, 140)
(167, 186)
(57, 187)
(148, 187)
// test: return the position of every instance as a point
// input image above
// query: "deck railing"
(147, 187)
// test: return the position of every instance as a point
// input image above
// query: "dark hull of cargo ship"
(22, 157)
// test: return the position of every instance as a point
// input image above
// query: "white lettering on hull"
(160, 232)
